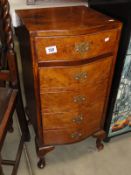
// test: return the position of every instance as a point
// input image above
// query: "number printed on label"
(51, 50)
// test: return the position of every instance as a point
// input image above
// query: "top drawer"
(74, 47)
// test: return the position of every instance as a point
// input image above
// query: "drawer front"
(75, 47)
(69, 135)
(64, 101)
(74, 76)
(63, 120)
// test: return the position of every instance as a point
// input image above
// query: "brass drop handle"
(82, 47)
(76, 135)
(79, 99)
(78, 119)
(81, 76)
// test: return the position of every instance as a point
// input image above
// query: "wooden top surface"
(65, 21)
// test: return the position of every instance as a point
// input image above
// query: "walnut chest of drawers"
(68, 56)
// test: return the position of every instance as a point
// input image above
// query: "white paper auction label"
(51, 50)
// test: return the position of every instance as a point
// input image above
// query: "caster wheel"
(41, 163)
(100, 147)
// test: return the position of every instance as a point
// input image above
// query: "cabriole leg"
(41, 152)
(100, 135)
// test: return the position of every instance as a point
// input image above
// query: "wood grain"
(74, 81)
(63, 21)
(73, 99)
(94, 45)
(60, 77)
(74, 119)
(62, 136)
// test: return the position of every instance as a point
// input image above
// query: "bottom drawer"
(70, 135)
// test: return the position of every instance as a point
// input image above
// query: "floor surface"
(76, 159)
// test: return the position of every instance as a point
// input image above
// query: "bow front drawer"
(89, 74)
(74, 47)
(74, 99)
(70, 135)
(73, 119)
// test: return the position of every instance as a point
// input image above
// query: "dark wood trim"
(15, 163)
(7, 116)
(5, 75)
(13, 100)
(37, 95)
(73, 63)
(12, 63)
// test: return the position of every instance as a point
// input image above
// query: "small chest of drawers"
(68, 57)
